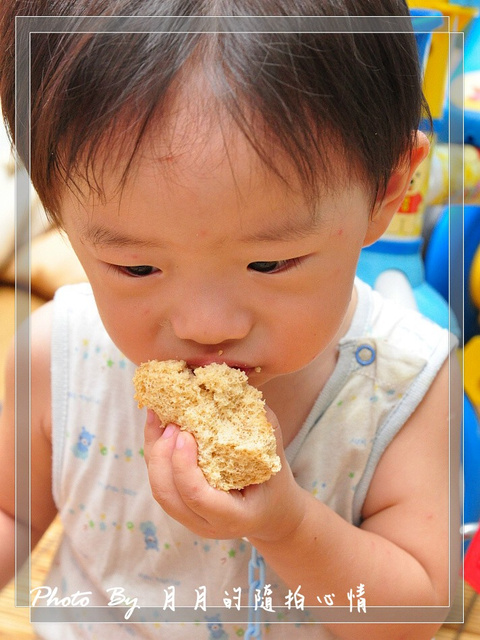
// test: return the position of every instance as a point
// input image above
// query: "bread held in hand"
(225, 414)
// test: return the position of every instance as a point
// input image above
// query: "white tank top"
(117, 540)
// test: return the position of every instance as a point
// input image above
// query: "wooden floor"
(470, 629)
(15, 621)
(15, 625)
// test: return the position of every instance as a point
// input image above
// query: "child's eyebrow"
(292, 229)
(111, 238)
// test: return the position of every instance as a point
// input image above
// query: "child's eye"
(274, 266)
(140, 271)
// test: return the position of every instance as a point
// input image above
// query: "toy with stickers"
(455, 180)
(394, 264)
(458, 130)
(433, 242)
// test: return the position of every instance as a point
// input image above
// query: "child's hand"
(268, 511)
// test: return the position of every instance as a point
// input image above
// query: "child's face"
(208, 257)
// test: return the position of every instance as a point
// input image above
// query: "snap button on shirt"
(365, 354)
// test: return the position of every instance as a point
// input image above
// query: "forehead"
(200, 210)
(195, 169)
(194, 136)
(205, 190)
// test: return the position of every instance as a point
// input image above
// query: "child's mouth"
(248, 370)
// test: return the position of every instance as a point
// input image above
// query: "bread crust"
(225, 414)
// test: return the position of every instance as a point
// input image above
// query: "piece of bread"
(226, 415)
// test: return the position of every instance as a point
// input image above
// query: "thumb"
(273, 420)
(152, 432)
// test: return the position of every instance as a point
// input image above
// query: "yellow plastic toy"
(437, 65)
(475, 281)
(407, 223)
(445, 182)
(471, 353)
(471, 358)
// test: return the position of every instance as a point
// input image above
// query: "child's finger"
(189, 478)
(152, 432)
(163, 482)
(159, 463)
(273, 420)
(218, 509)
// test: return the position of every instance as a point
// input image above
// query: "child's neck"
(292, 396)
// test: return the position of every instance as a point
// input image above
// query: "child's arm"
(400, 552)
(7, 483)
(401, 548)
(42, 505)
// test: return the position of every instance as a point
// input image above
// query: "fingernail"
(168, 431)
(180, 441)
(151, 416)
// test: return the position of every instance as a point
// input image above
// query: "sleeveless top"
(120, 548)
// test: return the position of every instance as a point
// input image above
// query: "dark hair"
(304, 92)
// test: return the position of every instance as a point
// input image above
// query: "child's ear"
(397, 186)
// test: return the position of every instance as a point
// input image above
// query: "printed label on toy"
(472, 91)
(407, 223)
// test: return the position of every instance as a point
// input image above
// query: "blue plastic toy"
(445, 244)
(471, 463)
(463, 108)
(394, 265)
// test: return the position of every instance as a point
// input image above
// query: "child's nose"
(210, 318)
